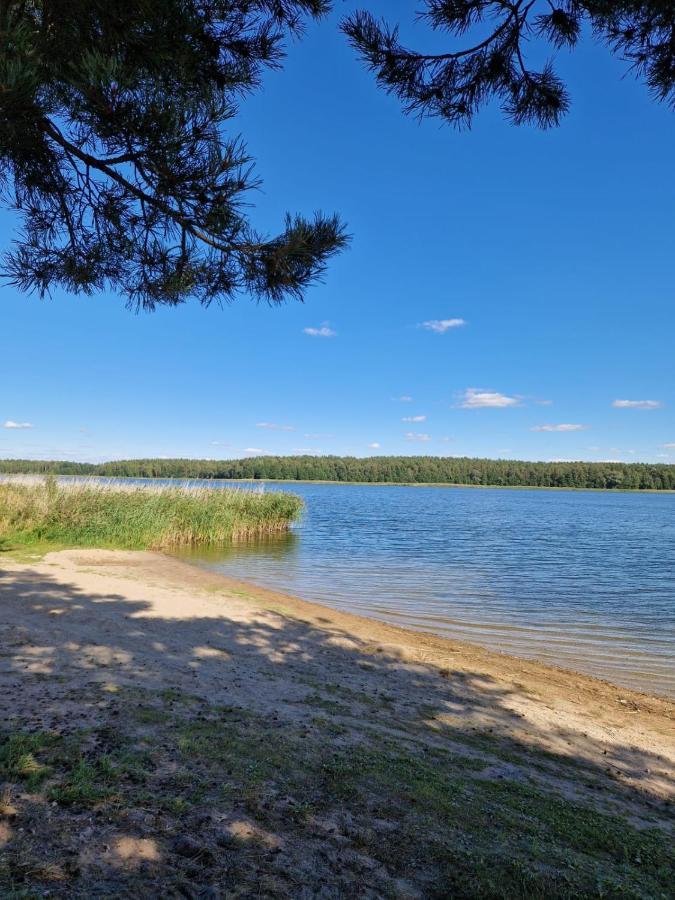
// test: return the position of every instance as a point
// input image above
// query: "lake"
(585, 580)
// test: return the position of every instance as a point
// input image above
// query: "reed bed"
(92, 513)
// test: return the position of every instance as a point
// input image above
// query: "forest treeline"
(390, 469)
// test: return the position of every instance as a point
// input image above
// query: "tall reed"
(90, 513)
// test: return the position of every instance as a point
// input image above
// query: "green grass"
(18, 758)
(66, 774)
(474, 837)
(431, 817)
(35, 512)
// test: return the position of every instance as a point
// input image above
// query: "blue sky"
(553, 250)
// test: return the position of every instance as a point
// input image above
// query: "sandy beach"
(87, 636)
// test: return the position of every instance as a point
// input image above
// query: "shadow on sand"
(71, 661)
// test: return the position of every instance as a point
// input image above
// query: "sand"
(144, 618)
(79, 622)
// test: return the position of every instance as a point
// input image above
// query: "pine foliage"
(495, 42)
(118, 149)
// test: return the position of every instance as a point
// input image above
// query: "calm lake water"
(585, 580)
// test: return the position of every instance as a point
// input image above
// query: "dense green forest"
(391, 469)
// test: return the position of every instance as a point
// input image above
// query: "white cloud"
(440, 326)
(323, 331)
(414, 419)
(544, 402)
(670, 446)
(303, 450)
(10, 424)
(404, 399)
(274, 427)
(257, 451)
(411, 436)
(317, 436)
(221, 444)
(477, 398)
(565, 426)
(374, 446)
(637, 404)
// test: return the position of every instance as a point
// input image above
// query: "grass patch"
(427, 816)
(465, 836)
(86, 783)
(19, 758)
(35, 512)
(66, 771)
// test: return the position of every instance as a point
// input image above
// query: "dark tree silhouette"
(112, 147)
(491, 63)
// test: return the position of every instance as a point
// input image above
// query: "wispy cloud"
(637, 404)
(273, 426)
(477, 398)
(564, 426)
(670, 446)
(440, 326)
(324, 330)
(411, 436)
(256, 451)
(414, 419)
(317, 436)
(10, 424)
(303, 450)
(404, 399)
(544, 402)
(374, 446)
(221, 444)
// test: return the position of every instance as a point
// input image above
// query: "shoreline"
(182, 570)
(420, 632)
(338, 737)
(424, 484)
(415, 484)
(420, 644)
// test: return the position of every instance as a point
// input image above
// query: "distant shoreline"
(421, 484)
(415, 484)
(436, 471)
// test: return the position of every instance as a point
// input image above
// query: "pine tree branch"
(105, 166)
(440, 57)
